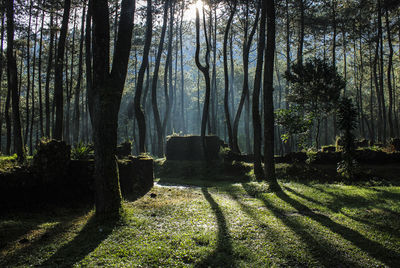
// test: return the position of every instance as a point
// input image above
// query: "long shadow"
(270, 234)
(374, 249)
(359, 202)
(371, 222)
(85, 242)
(19, 256)
(223, 254)
(327, 254)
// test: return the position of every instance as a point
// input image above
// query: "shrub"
(347, 122)
(81, 151)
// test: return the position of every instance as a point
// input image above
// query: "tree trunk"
(41, 130)
(226, 76)
(28, 72)
(33, 92)
(1, 78)
(381, 72)
(139, 86)
(269, 162)
(245, 92)
(79, 80)
(105, 98)
(48, 73)
(205, 70)
(182, 71)
(258, 170)
(12, 79)
(58, 79)
(389, 76)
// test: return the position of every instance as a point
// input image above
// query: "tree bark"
(389, 75)
(205, 70)
(245, 91)
(226, 76)
(139, 86)
(12, 79)
(157, 120)
(79, 80)
(269, 162)
(258, 170)
(105, 98)
(58, 79)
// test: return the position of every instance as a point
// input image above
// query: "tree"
(12, 80)
(139, 86)
(58, 75)
(226, 76)
(160, 138)
(269, 163)
(105, 98)
(258, 170)
(205, 70)
(316, 87)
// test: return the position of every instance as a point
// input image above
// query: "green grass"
(217, 225)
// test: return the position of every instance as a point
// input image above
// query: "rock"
(124, 149)
(395, 144)
(51, 160)
(191, 148)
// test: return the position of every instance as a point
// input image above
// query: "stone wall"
(190, 148)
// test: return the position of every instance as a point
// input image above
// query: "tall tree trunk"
(28, 72)
(381, 71)
(182, 115)
(12, 79)
(1, 78)
(58, 79)
(301, 33)
(389, 75)
(33, 91)
(334, 57)
(258, 170)
(139, 86)
(269, 162)
(205, 70)
(41, 130)
(226, 76)
(105, 98)
(157, 120)
(48, 73)
(76, 114)
(245, 91)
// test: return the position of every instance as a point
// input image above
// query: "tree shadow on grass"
(270, 235)
(88, 239)
(370, 219)
(373, 248)
(321, 250)
(223, 254)
(35, 240)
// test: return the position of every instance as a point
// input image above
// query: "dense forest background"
(52, 49)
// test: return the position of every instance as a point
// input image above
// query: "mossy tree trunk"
(105, 98)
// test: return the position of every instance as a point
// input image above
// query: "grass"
(219, 224)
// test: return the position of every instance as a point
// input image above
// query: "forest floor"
(220, 224)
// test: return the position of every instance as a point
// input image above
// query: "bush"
(82, 151)
(347, 122)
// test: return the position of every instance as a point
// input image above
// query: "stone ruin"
(190, 148)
